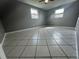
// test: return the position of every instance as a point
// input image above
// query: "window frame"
(59, 13)
(34, 13)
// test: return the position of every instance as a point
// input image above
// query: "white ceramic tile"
(43, 34)
(69, 51)
(69, 41)
(32, 42)
(12, 58)
(16, 51)
(42, 42)
(72, 58)
(60, 34)
(61, 42)
(64, 37)
(15, 42)
(29, 51)
(6, 42)
(56, 51)
(8, 49)
(23, 42)
(59, 58)
(28, 34)
(43, 58)
(26, 58)
(42, 51)
(51, 42)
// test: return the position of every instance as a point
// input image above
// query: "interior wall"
(20, 18)
(1, 31)
(70, 15)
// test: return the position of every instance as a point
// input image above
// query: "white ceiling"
(50, 5)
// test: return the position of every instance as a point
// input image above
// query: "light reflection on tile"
(51, 42)
(32, 42)
(26, 58)
(42, 42)
(43, 58)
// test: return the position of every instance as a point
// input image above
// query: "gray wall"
(20, 18)
(1, 31)
(70, 15)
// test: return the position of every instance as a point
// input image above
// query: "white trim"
(3, 39)
(76, 44)
(23, 30)
(2, 54)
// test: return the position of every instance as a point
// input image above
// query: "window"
(34, 13)
(59, 13)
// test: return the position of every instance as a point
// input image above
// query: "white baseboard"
(3, 39)
(2, 54)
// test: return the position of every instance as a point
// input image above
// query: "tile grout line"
(31, 45)
(15, 56)
(24, 45)
(48, 49)
(47, 46)
(23, 50)
(10, 51)
(68, 44)
(36, 50)
(61, 49)
(44, 57)
(36, 44)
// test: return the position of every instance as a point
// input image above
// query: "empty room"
(39, 29)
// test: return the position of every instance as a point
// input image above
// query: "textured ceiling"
(50, 5)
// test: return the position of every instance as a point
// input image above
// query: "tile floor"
(41, 43)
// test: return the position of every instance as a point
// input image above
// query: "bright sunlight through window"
(34, 13)
(59, 13)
